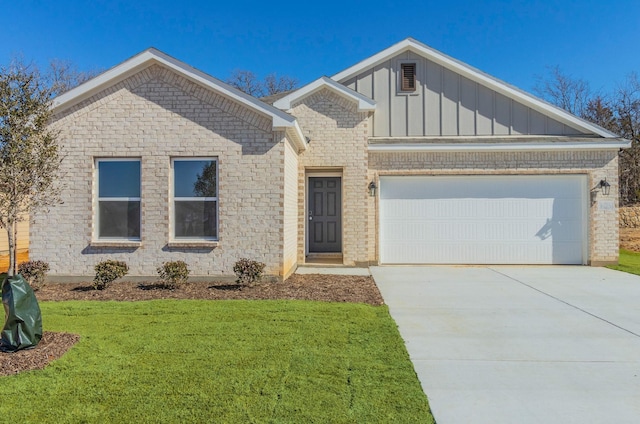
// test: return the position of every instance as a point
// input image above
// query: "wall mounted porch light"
(605, 187)
(372, 189)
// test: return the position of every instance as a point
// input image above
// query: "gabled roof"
(364, 103)
(280, 119)
(475, 75)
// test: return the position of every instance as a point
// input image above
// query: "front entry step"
(324, 258)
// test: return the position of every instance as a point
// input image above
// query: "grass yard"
(629, 262)
(220, 361)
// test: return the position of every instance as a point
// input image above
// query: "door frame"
(309, 173)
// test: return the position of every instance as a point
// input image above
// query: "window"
(408, 77)
(195, 199)
(118, 214)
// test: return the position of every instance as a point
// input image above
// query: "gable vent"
(408, 77)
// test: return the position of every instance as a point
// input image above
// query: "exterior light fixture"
(605, 187)
(372, 189)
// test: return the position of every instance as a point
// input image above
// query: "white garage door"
(483, 219)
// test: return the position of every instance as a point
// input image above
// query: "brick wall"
(338, 134)
(290, 254)
(156, 115)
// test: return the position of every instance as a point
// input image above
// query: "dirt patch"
(630, 239)
(326, 288)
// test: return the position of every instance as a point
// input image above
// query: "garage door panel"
(486, 253)
(537, 219)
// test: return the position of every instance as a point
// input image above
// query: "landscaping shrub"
(34, 272)
(107, 272)
(173, 274)
(248, 271)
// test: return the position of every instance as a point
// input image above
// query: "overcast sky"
(596, 40)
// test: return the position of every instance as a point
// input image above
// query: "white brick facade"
(157, 114)
(338, 134)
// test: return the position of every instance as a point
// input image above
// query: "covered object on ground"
(23, 320)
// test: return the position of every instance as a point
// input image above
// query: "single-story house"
(407, 157)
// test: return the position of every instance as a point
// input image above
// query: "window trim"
(173, 240)
(96, 227)
(400, 80)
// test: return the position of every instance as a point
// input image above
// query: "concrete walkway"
(333, 270)
(501, 344)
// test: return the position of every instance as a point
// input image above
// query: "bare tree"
(564, 91)
(248, 82)
(29, 152)
(64, 75)
(273, 84)
(599, 111)
(245, 81)
(618, 112)
(626, 108)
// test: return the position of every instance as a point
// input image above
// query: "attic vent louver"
(408, 77)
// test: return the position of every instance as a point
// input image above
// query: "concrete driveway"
(507, 344)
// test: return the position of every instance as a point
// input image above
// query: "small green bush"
(107, 272)
(34, 272)
(248, 271)
(173, 274)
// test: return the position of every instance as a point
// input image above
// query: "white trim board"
(498, 147)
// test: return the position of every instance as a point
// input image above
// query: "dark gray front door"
(324, 225)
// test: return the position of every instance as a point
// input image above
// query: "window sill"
(193, 244)
(116, 244)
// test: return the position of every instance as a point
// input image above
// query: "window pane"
(119, 219)
(194, 178)
(195, 219)
(119, 178)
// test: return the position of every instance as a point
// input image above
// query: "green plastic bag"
(23, 320)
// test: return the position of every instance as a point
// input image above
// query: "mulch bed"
(52, 346)
(326, 288)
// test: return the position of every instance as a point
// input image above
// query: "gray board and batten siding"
(445, 103)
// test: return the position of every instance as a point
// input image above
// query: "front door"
(324, 225)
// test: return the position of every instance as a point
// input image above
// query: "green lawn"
(629, 262)
(221, 361)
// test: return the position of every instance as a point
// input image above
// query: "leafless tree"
(563, 90)
(274, 84)
(626, 108)
(64, 75)
(618, 112)
(248, 82)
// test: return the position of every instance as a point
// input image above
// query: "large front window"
(118, 199)
(195, 199)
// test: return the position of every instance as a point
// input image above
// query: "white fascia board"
(150, 56)
(499, 147)
(295, 133)
(365, 104)
(477, 76)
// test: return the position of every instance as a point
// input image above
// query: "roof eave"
(365, 104)
(294, 132)
(151, 56)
